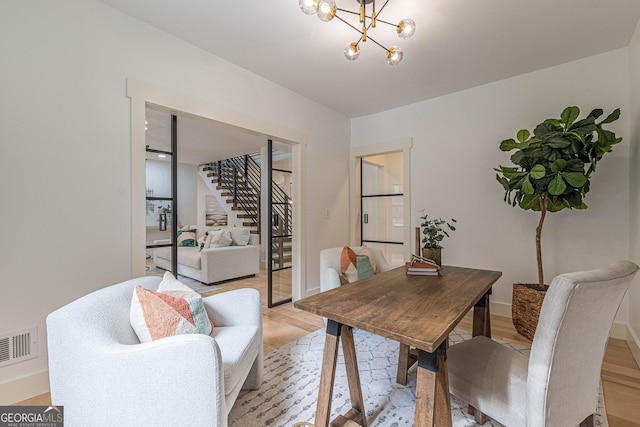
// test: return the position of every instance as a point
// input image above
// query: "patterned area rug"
(290, 388)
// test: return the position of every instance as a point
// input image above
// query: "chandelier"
(327, 10)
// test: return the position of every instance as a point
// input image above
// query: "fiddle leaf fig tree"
(553, 167)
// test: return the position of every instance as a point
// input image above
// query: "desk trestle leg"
(356, 413)
(407, 356)
(433, 404)
(335, 331)
(328, 373)
(482, 317)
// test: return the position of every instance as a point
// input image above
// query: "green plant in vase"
(433, 233)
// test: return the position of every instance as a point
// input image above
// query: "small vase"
(434, 254)
(162, 222)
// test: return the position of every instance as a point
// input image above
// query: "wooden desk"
(417, 311)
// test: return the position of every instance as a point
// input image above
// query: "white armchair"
(104, 376)
(558, 384)
(330, 265)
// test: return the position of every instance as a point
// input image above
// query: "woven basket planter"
(525, 307)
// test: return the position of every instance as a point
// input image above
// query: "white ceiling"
(201, 140)
(458, 43)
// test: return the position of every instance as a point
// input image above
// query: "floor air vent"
(18, 346)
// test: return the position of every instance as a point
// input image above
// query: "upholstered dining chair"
(558, 384)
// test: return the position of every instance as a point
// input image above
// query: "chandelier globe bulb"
(309, 7)
(327, 10)
(394, 55)
(352, 51)
(406, 28)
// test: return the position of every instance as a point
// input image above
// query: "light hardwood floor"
(620, 373)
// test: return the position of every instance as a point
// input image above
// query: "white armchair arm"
(240, 307)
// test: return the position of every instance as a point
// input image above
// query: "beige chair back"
(569, 344)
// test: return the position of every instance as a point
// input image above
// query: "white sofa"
(104, 376)
(213, 264)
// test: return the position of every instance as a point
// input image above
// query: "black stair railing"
(241, 176)
(235, 177)
(281, 227)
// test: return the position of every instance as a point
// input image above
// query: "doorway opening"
(382, 204)
(194, 189)
(380, 198)
(144, 99)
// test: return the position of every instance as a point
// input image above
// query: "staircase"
(238, 180)
(281, 231)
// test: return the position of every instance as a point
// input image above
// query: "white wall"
(634, 188)
(455, 148)
(187, 193)
(66, 134)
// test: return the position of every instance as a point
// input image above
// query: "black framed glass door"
(382, 204)
(161, 195)
(280, 232)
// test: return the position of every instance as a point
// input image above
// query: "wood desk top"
(415, 310)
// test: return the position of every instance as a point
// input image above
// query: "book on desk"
(419, 266)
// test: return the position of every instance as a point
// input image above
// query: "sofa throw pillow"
(240, 236)
(207, 240)
(355, 266)
(173, 309)
(348, 269)
(219, 238)
(187, 238)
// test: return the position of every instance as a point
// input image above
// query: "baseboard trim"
(618, 330)
(24, 388)
(501, 309)
(634, 344)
